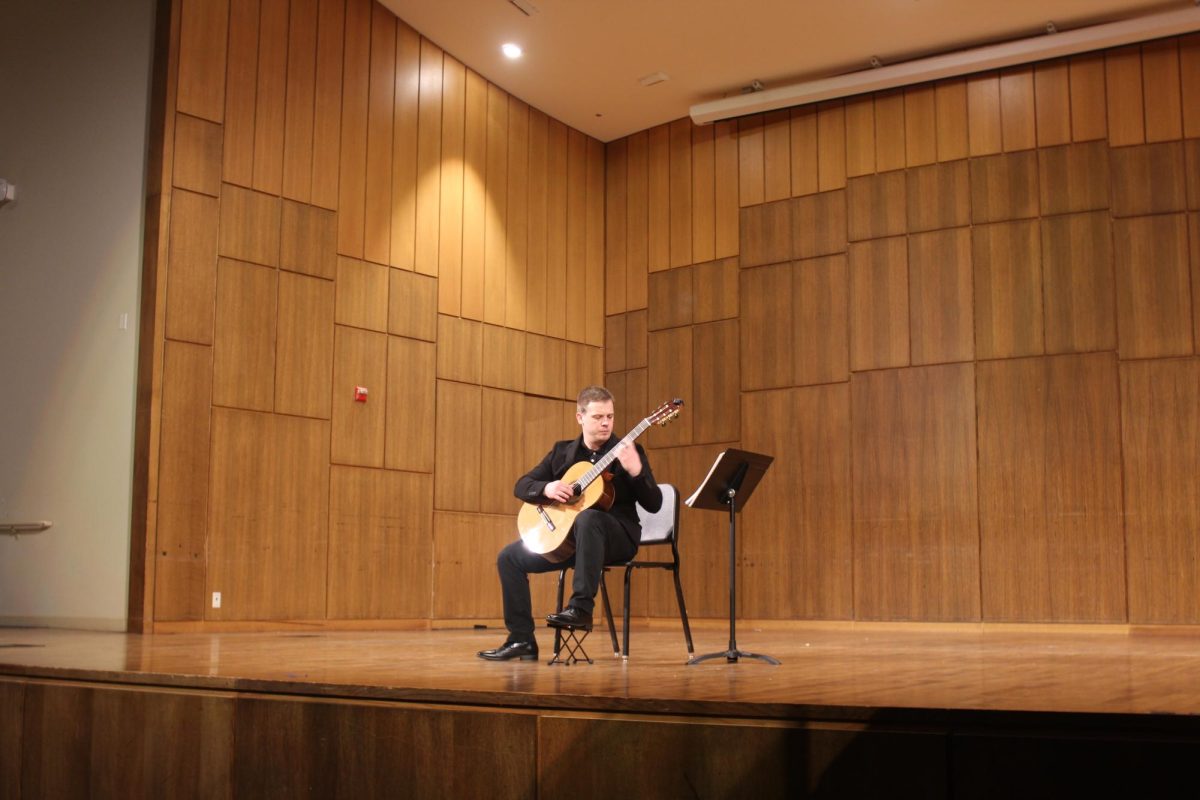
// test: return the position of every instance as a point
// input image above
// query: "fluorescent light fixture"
(996, 56)
(511, 50)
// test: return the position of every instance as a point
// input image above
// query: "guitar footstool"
(571, 640)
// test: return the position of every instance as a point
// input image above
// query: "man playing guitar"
(600, 536)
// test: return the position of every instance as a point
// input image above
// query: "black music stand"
(729, 484)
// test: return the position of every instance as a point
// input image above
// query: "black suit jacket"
(629, 491)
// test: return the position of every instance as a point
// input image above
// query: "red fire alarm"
(360, 394)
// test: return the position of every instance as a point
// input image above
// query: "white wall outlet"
(216, 599)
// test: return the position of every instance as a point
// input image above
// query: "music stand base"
(732, 656)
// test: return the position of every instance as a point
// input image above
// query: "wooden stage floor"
(832, 671)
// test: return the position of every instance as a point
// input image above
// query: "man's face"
(596, 421)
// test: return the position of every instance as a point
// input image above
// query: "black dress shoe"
(570, 617)
(525, 651)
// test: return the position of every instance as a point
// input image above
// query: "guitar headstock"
(666, 412)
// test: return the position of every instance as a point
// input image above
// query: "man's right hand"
(559, 491)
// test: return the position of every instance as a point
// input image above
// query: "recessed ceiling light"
(511, 50)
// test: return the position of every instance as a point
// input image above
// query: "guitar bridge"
(545, 518)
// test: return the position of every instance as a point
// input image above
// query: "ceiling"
(584, 58)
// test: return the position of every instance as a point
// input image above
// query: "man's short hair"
(592, 394)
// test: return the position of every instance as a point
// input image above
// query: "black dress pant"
(599, 539)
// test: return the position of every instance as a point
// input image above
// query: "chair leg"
(687, 629)
(562, 574)
(612, 629)
(625, 631)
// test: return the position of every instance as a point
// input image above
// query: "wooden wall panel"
(249, 226)
(191, 267)
(820, 309)
(503, 358)
(1189, 82)
(637, 220)
(766, 233)
(1191, 154)
(197, 164)
(474, 197)
(1004, 187)
(715, 290)
(1154, 308)
(879, 335)
(860, 136)
(296, 170)
(1051, 534)
(409, 416)
(1160, 430)
(1052, 102)
(671, 374)
(725, 156)
(751, 189)
(799, 564)
(1007, 261)
(616, 181)
(941, 314)
(1194, 243)
(506, 450)
(241, 83)
(458, 466)
(767, 327)
(594, 241)
(636, 339)
(308, 240)
(495, 216)
(584, 367)
(819, 224)
(876, 206)
(546, 367)
(359, 359)
(777, 155)
(952, 139)
(614, 342)
(1017, 115)
(269, 499)
(1079, 287)
(270, 96)
(889, 131)
(380, 544)
(1149, 179)
(536, 313)
(1089, 104)
(377, 211)
(327, 103)
(658, 164)
(405, 132)
(704, 197)
(983, 114)
(680, 164)
(412, 305)
(1123, 84)
(429, 158)
(916, 541)
(1074, 178)
(714, 397)
(12, 713)
(831, 146)
(939, 196)
(244, 346)
(1160, 90)
(557, 157)
(576, 276)
(517, 255)
(356, 74)
(465, 584)
(671, 299)
(180, 553)
(304, 346)
(362, 294)
(460, 349)
(203, 33)
(920, 125)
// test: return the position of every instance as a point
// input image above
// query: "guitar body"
(545, 527)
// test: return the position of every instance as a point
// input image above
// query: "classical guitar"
(545, 527)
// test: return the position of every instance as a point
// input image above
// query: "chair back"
(660, 527)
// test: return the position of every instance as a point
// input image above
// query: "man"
(601, 537)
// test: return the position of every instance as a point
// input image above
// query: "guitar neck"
(600, 466)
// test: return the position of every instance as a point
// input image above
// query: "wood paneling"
(713, 404)
(715, 290)
(889, 130)
(820, 309)
(983, 114)
(1051, 535)
(499, 415)
(412, 305)
(635, 339)
(536, 312)
(1052, 101)
(249, 226)
(1123, 85)
(241, 82)
(377, 209)
(327, 102)
(750, 160)
(298, 104)
(941, 315)
(831, 146)
(545, 367)
(197, 163)
(517, 255)
(637, 221)
(777, 154)
(951, 99)
(614, 342)
(1077, 265)
(1154, 308)
(270, 96)
(1004, 187)
(308, 240)
(503, 358)
(12, 712)
(594, 244)
(876, 206)
(1089, 106)
(1191, 154)
(1149, 179)
(819, 224)
(304, 346)
(429, 157)
(1160, 428)
(356, 90)
(474, 198)
(1189, 82)
(450, 247)
(458, 432)
(557, 165)
(465, 584)
(798, 563)
(404, 147)
(670, 374)
(725, 156)
(920, 125)
(1160, 90)
(616, 178)
(576, 276)
(411, 371)
(1074, 178)
(203, 32)
(270, 501)
(183, 483)
(584, 367)
(1007, 261)
(658, 161)
(191, 267)
(916, 541)
(680, 163)
(879, 335)
(704, 197)
(359, 359)
(244, 346)
(460, 349)
(495, 216)
(767, 349)
(362, 294)
(939, 196)
(380, 544)
(671, 299)
(860, 136)
(1017, 116)
(804, 151)
(766, 233)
